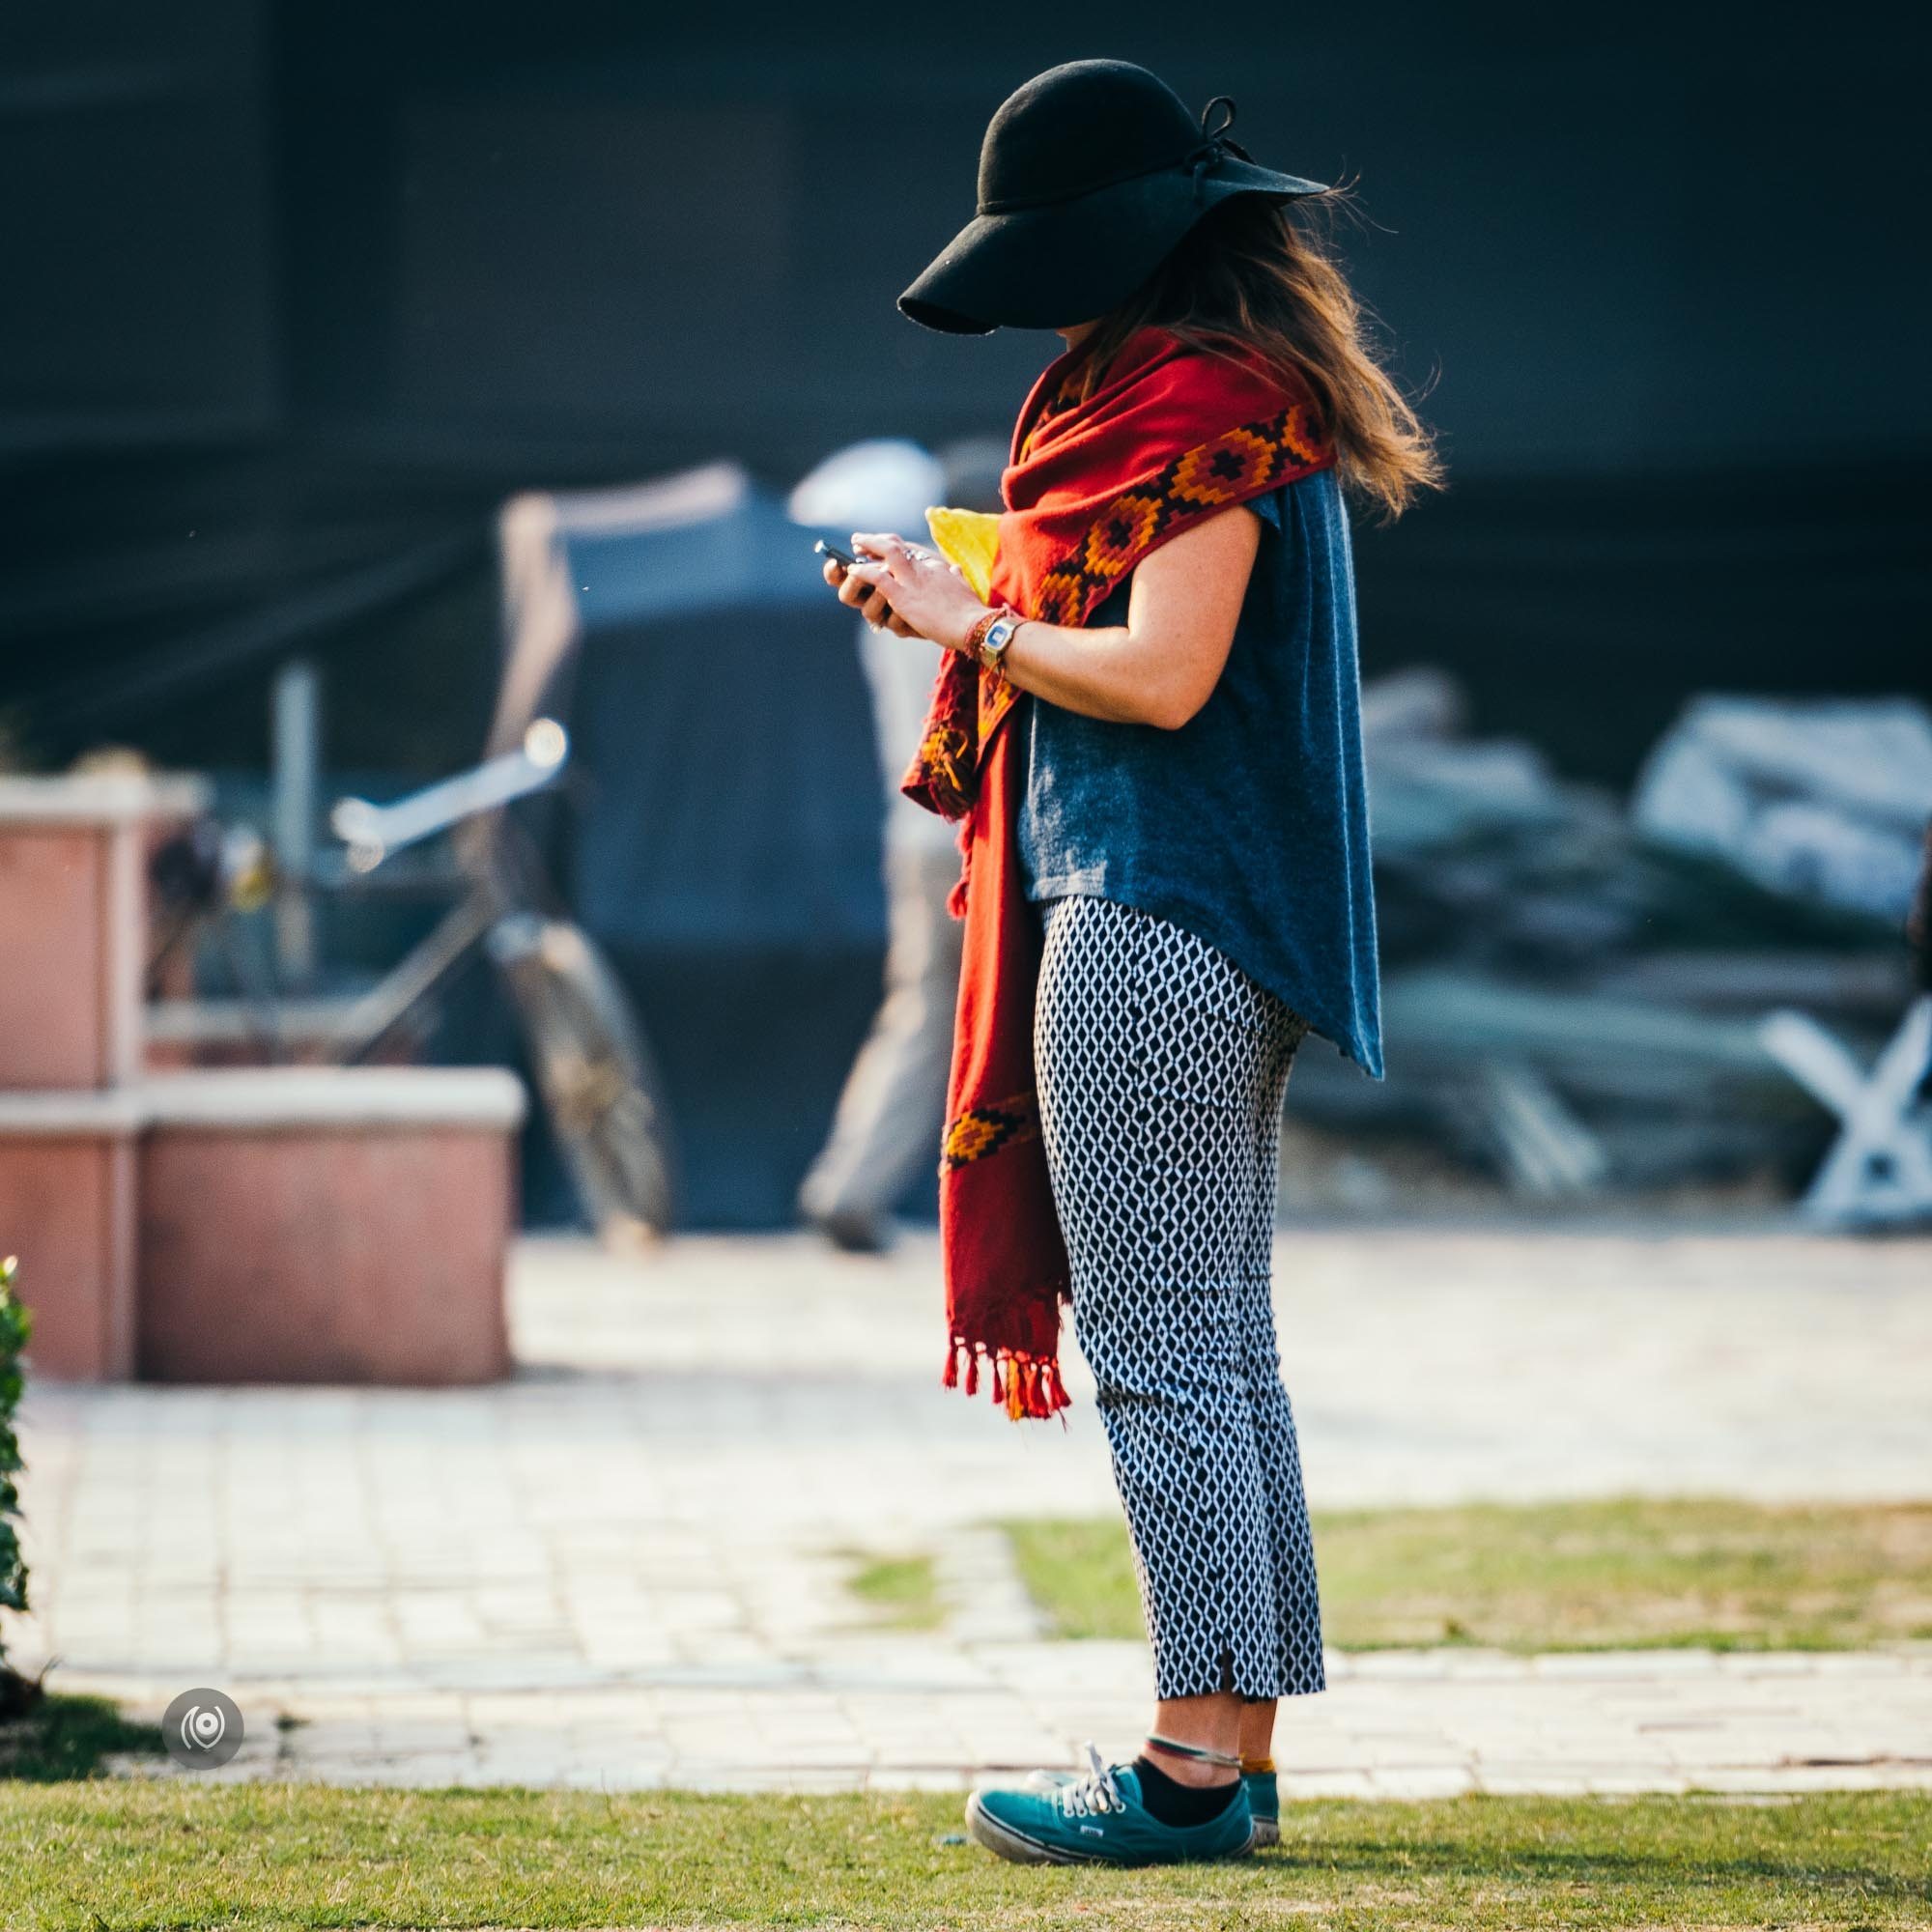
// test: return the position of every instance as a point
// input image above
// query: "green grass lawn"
(900, 1592)
(1576, 1576)
(81, 1858)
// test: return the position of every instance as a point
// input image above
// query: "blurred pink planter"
(292, 1225)
(67, 1209)
(73, 925)
(325, 1225)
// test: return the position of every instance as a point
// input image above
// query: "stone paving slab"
(627, 1565)
(1491, 1723)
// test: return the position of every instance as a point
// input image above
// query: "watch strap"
(975, 637)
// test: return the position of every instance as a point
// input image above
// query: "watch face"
(1000, 635)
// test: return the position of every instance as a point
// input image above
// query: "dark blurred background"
(297, 294)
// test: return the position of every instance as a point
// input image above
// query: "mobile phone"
(846, 561)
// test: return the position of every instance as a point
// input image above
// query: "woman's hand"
(927, 596)
(856, 594)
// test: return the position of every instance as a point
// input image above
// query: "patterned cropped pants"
(1161, 1069)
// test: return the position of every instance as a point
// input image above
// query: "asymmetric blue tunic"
(1249, 825)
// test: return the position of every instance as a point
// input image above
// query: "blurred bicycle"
(595, 1072)
(596, 1075)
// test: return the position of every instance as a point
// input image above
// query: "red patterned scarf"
(1172, 435)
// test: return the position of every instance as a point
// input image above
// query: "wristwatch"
(988, 638)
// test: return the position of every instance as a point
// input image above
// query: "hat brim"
(1068, 261)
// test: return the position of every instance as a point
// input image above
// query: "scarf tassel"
(1028, 1387)
(955, 900)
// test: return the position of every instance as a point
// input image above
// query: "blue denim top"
(1248, 826)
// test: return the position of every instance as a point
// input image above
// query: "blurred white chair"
(1879, 1171)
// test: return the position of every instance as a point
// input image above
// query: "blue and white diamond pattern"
(1162, 1068)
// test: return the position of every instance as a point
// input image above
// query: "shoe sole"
(1016, 1848)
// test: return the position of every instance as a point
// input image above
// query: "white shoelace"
(1094, 1795)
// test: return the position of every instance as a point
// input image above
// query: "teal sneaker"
(1264, 1802)
(1264, 1798)
(1100, 1819)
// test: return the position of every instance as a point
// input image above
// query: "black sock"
(1171, 1802)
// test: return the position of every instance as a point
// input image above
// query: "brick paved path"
(625, 1566)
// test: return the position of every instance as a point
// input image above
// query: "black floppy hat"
(1088, 177)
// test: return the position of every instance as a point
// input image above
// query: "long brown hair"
(1252, 277)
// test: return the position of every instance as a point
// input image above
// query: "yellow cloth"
(969, 539)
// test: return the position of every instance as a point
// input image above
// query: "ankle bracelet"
(1200, 1753)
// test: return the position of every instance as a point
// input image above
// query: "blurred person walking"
(1150, 727)
(893, 1105)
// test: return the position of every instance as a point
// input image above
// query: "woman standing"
(1149, 723)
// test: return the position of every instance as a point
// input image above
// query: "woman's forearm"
(1159, 668)
(1107, 673)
